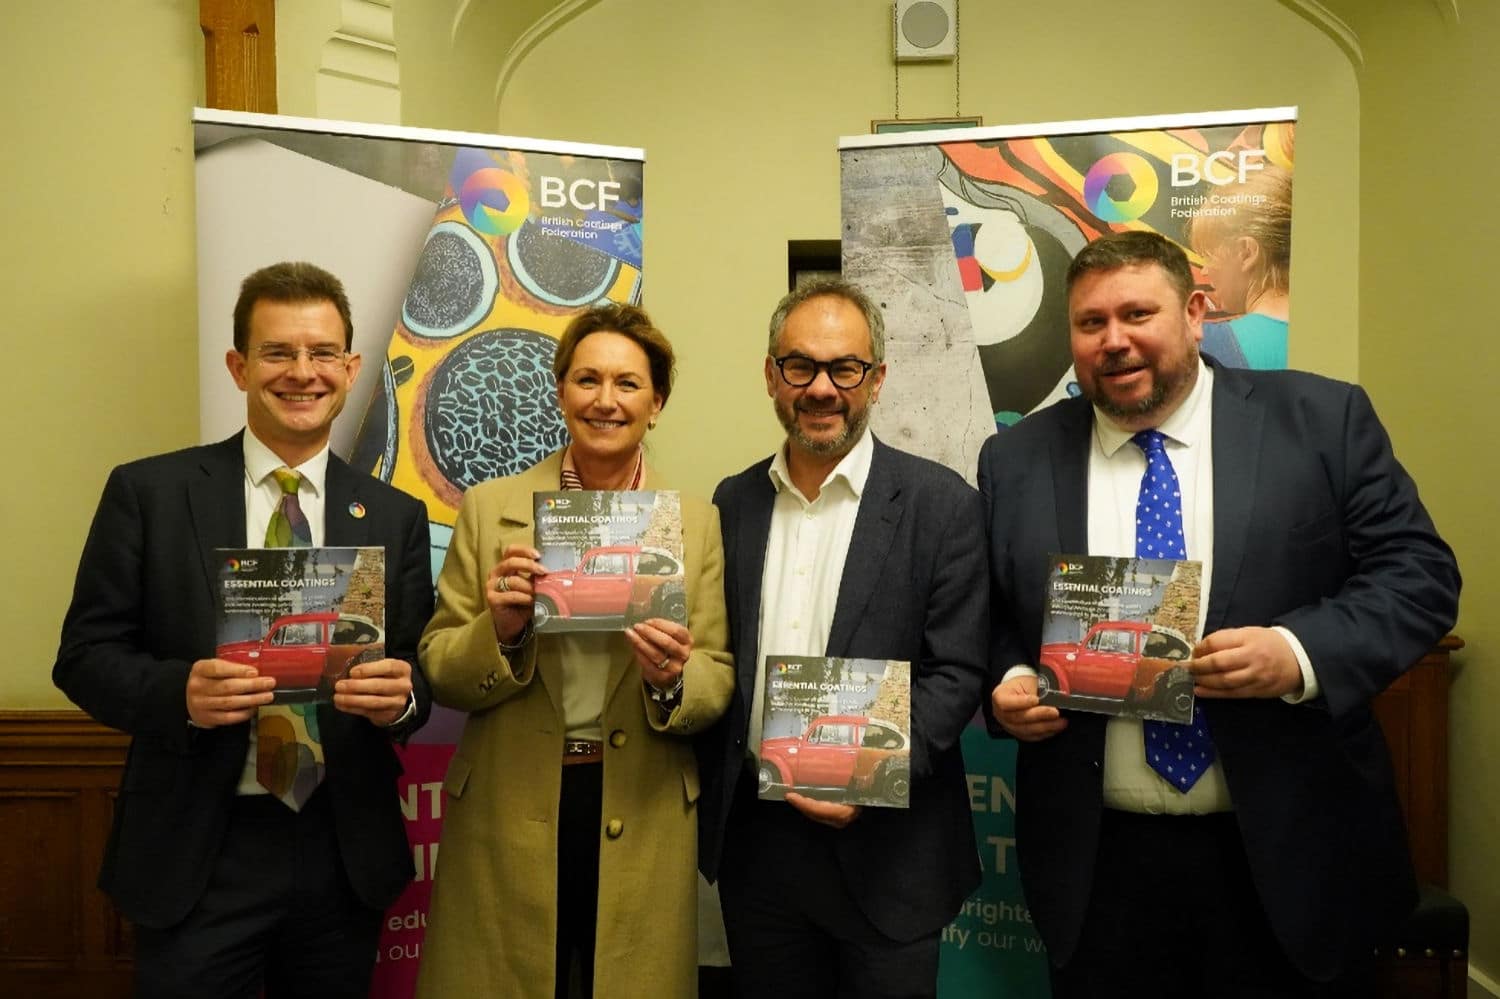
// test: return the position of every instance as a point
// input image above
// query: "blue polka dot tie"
(1178, 753)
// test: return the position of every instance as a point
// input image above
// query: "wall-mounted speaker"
(926, 29)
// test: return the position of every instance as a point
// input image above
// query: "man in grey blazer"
(839, 545)
(1277, 866)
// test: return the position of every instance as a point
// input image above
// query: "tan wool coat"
(493, 920)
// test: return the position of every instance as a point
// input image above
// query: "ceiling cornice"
(1333, 26)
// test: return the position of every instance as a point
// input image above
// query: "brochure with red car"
(1117, 635)
(302, 615)
(613, 558)
(837, 729)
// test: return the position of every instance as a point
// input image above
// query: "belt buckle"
(581, 751)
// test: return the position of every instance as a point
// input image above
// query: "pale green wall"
(1429, 353)
(303, 27)
(451, 64)
(99, 276)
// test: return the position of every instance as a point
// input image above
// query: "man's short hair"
(289, 283)
(831, 288)
(631, 322)
(1114, 250)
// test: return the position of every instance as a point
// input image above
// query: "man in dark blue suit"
(841, 546)
(231, 890)
(1272, 863)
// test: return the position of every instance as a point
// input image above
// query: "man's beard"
(1164, 383)
(833, 447)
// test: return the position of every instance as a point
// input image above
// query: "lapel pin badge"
(357, 510)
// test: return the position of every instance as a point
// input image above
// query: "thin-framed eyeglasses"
(281, 355)
(800, 372)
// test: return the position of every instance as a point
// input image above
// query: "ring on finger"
(504, 584)
(667, 661)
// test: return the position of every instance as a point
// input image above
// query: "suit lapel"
(518, 526)
(880, 510)
(345, 520)
(1070, 479)
(216, 505)
(748, 536)
(1237, 422)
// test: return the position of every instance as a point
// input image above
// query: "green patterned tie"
(288, 755)
(288, 527)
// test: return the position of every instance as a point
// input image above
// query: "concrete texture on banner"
(934, 402)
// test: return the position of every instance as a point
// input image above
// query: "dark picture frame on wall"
(811, 259)
(883, 126)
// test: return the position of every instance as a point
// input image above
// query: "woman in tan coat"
(570, 825)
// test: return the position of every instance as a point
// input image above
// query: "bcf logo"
(583, 194)
(1223, 167)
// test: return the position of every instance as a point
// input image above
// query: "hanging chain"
(958, 54)
(896, 59)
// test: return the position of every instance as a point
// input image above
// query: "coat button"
(613, 828)
(618, 738)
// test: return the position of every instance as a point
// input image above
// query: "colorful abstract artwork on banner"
(463, 256)
(965, 239)
(519, 244)
(985, 225)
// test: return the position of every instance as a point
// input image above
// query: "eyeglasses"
(800, 372)
(280, 355)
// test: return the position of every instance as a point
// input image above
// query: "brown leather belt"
(582, 751)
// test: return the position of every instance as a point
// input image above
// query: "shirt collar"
(568, 477)
(853, 468)
(1187, 424)
(261, 461)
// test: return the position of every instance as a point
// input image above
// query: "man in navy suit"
(230, 889)
(1275, 858)
(841, 546)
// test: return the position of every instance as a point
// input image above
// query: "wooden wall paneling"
(59, 936)
(1413, 713)
(239, 54)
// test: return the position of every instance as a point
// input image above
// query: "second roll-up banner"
(964, 237)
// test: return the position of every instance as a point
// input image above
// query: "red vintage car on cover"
(612, 585)
(1135, 662)
(848, 757)
(308, 653)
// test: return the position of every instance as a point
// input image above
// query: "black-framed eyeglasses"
(800, 372)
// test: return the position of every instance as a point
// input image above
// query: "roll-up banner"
(964, 236)
(464, 256)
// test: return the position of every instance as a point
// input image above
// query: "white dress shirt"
(1115, 469)
(263, 492)
(805, 555)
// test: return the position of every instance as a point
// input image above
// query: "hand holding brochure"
(613, 558)
(305, 616)
(837, 729)
(1117, 635)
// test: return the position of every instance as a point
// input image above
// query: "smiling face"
(607, 397)
(290, 406)
(1135, 342)
(823, 421)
